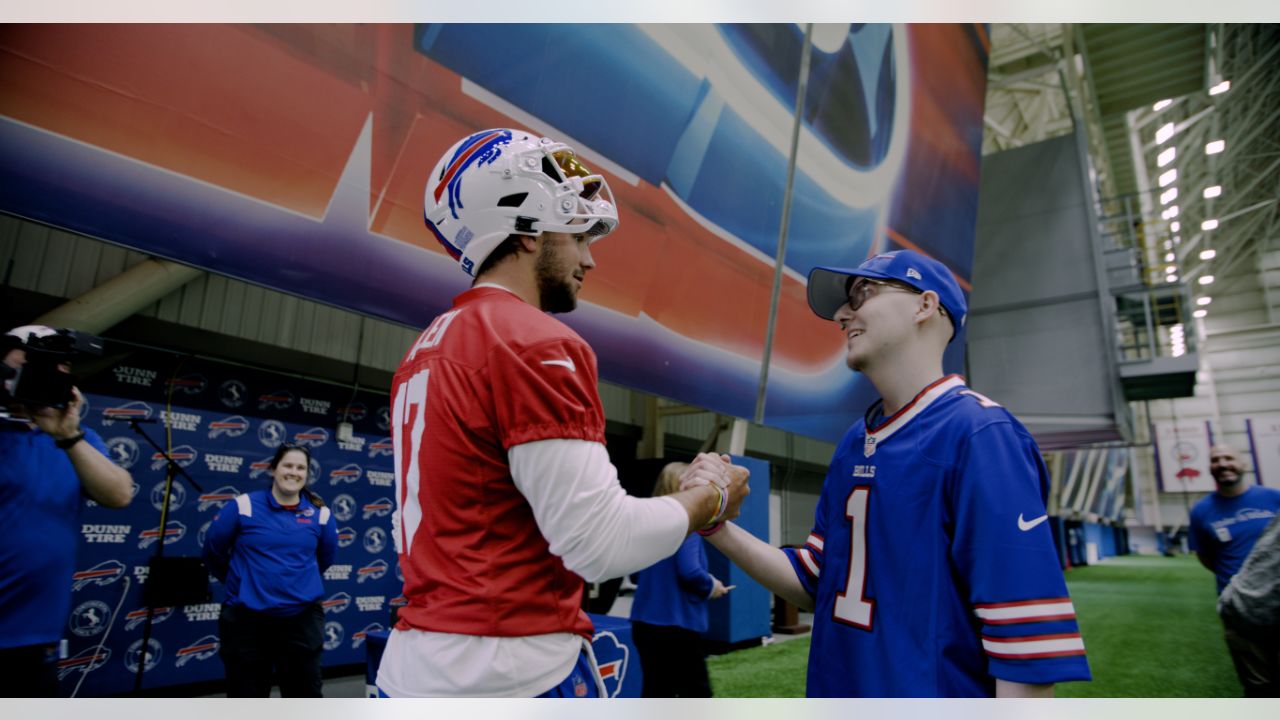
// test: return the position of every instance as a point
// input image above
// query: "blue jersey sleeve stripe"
(1034, 647)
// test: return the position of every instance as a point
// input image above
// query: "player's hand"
(737, 488)
(706, 469)
(718, 589)
(60, 423)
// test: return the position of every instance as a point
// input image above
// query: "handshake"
(729, 482)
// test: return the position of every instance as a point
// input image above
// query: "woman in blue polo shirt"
(669, 613)
(270, 547)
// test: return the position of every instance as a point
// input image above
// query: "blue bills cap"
(829, 286)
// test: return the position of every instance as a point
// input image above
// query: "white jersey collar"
(919, 404)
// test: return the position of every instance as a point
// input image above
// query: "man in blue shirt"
(930, 569)
(1226, 524)
(48, 464)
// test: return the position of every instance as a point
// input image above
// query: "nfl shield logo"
(579, 687)
(869, 447)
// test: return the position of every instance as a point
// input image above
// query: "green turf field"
(1148, 623)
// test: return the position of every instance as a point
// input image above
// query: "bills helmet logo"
(202, 649)
(184, 455)
(381, 507)
(136, 410)
(333, 635)
(336, 603)
(104, 573)
(480, 149)
(271, 433)
(373, 571)
(139, 616)
(384, 418)
(355, 412)
(89, 659)
(177, 496)
(188, 384)
(279, 400)
(375, 540)
(149, 658)
(348, 473)
(344, 507)
(346, 536)
(216, 498)
(232, 393)
(398, 601)
(315, 437)
(175, 532)
(357, 638)
(383, 447)
(89, 618)
(123, 451)
(613, 657)
(233, 427)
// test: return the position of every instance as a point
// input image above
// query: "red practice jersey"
(491, 373)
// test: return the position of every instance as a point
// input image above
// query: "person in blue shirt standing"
(1225, 526)
(271, 547)
(669, 612)
(48, 465)
(930, 568)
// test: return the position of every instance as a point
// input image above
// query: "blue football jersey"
(931, 560)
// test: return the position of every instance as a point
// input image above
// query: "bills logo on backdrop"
(383, 447)
(373, 571)
(357, 638)
(279, 400)
(89, 618)
(123, 451)
(315, 437)
(271, 433)
(216, 498)
(202, 649)
(344, 507)
(139, 616)
(232, 393)
(348, 473)
(136, 410)
(177, 495)
(612, 656)
(232, 426)
(149, 658)
(336, 603)
(104, 573)
(88, 659)
(333, 634)
(384, 418)
(203, 532)
(175, 532)
(381, 507)
(398, 601)
(346, 536)
(355, 412)
(193, 384)
(260, 467)
(375, 540)
(184, 455)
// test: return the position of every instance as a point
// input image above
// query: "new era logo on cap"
(913, 273)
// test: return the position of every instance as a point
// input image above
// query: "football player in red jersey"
(505, 496)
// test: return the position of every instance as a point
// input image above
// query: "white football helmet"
(502, 182)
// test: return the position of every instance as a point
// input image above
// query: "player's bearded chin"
(554, 289)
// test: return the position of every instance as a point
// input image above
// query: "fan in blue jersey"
(931, 568)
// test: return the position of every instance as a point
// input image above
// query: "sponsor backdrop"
(225, 422)
(295, 156)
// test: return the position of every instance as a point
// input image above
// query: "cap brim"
(828, 288)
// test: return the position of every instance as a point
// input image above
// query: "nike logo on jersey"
(1025, 525)
(563, 363)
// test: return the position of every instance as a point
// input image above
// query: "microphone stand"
(172, 469)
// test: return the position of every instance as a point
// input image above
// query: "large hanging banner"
(225, 423)
(1264, 443)
(1182, 456)
(295, 157)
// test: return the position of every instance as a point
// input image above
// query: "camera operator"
(47, 463)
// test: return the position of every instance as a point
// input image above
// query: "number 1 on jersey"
(852, 606)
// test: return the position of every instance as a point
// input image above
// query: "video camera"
(40, 382)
